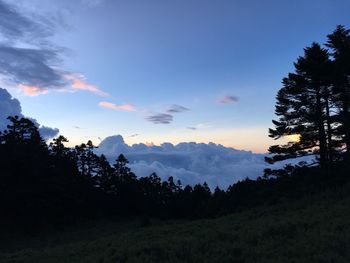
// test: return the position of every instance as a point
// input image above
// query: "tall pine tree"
(339, 43)
(303, 110)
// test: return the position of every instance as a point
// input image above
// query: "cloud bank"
(190, 163)
(10, 106)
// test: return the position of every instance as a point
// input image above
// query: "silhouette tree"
(105, 172)
(339, 43)
(303, 110)
(80, 157)
(92, 161)
(122, 170)
(21, 131)
(151, 194)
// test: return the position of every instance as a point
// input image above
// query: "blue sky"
(152, 54)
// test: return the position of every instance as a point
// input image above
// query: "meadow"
(314, 228)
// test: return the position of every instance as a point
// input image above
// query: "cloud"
(124, 107)
(134, 135)
(30, 68)
(166, 118)
(189, 162)
(29, 61)
(160, 118)
(14, 25)
(32, 90)
(78, 82)
(33, 71)
(47, 132)
(10, 106)
(177, 108)
(228, 99)
(199, 126)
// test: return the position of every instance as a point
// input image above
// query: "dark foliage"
(313, 106)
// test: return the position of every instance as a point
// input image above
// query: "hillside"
(313, 229)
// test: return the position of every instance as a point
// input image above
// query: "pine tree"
(122, 170)
(339, 43)
(57, 146)
(22, 131)
(303, 110)
(80, 156)
(105, 175)
(92, 160)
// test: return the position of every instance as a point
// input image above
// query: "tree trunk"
(321, 132)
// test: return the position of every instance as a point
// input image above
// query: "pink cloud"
(74, 82)
(79, 82)
(32, 90)
(109, 105)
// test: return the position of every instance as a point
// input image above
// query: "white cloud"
(189, 162)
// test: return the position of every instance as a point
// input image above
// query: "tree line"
(313, 106)
(54, 184)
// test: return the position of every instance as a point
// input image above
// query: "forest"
(49, 185)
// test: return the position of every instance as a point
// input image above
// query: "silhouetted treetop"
(313, 106)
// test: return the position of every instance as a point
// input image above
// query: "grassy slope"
(314, 229)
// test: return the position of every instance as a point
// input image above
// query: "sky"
(158, 70)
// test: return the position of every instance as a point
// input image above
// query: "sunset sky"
(158, 70)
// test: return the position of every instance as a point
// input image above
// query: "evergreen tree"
(92, 160)
(80, 158)
(339, 43)
(57, 146)
(122, 170)
(105, 175)
(303, 110)
(21, 131)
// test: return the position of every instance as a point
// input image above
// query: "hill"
(311, 229)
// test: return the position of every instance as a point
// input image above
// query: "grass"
(312, 229)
